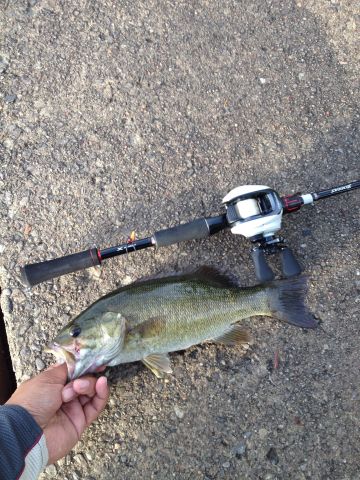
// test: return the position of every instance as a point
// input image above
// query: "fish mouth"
(67, 354)
(63, 355)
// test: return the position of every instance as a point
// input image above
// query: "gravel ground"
(137, 115)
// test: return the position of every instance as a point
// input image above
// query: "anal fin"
(158, 363)
(235, 335)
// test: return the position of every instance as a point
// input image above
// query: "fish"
(149, 318)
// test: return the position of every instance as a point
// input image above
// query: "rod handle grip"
(42, 271)
(188, 231)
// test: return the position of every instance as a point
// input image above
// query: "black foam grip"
(188, 231)
(262, 270)
(40, 272)
(290, 265)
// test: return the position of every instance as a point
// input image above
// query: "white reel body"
(253, 210)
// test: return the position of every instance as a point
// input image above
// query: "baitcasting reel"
(254, 211)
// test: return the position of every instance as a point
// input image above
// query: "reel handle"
(262, 270)
(290, 266)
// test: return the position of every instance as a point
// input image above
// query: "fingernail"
(82, 383)
(68, 394)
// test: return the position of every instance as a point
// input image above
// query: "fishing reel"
(255, 211)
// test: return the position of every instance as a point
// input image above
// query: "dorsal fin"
(214, 276)
(208, 274)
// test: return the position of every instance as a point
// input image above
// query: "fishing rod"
(254, 211)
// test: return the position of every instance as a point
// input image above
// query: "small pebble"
(4, 64)
(40, 365)
(10, 98)
(126, 280)
(263, 433)
(18, 296)
(79, 459)
(35, 347)
(25, 352)
(88, 456)
(239, 450)
(7, 305)
(226, 464)
(51, 471)
(95, 273)
(272, 456)
(8, 143)
(178, 412)
(262, 80)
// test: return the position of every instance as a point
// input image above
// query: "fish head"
(88, 342)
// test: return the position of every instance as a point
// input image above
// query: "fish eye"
(75, 332)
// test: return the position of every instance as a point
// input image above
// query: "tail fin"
(286, 300)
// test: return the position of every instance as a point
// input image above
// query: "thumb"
(55, 374)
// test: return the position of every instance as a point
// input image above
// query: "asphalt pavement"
(134, 115)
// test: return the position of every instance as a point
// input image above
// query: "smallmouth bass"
(150, 318)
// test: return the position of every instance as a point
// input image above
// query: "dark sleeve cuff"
(19, 433)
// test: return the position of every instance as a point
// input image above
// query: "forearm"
(23, 451)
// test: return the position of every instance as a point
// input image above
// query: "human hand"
(62, 411)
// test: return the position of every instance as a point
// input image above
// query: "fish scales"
(192, 313)
(146, 320)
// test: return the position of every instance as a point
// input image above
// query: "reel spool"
(255, 211)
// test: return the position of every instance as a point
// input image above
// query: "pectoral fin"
(158, 363)
(234, 336)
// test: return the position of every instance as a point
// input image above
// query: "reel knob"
(262, 270)
(290, 266)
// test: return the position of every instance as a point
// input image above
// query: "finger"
(75, 413)
(80, 386)
(84, 399)
(55, 374)
(85, 385)
(68, 393)
(93, 409)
